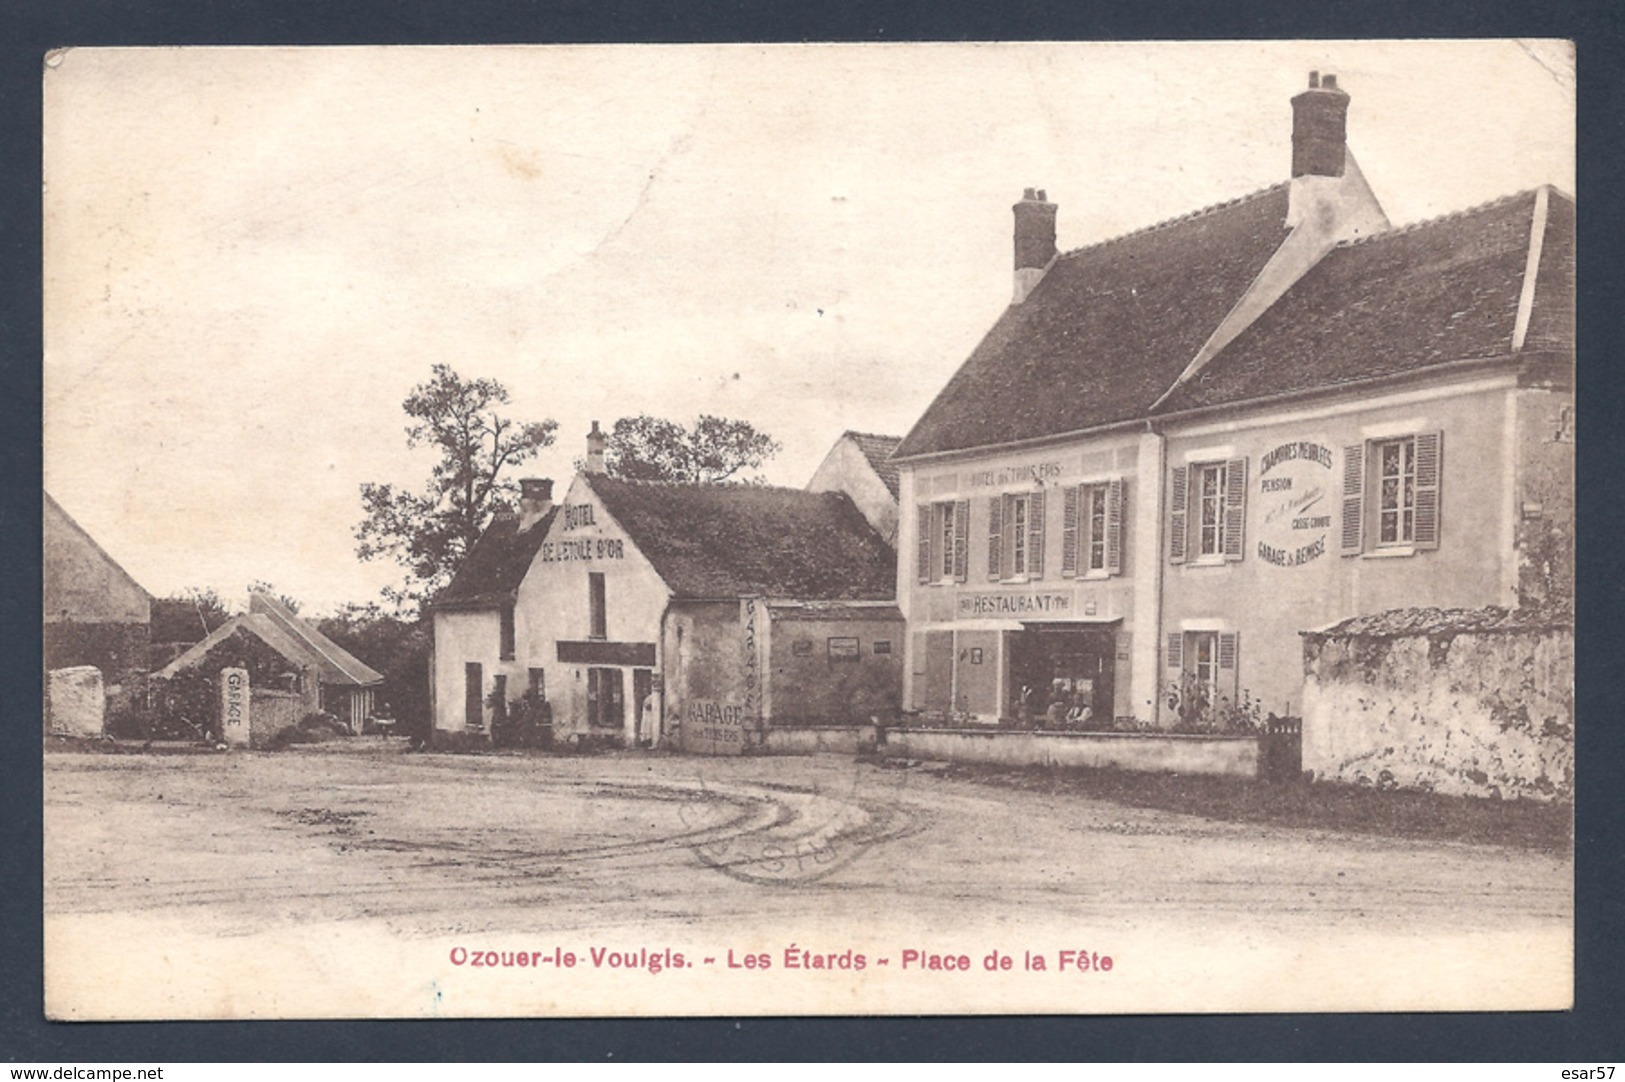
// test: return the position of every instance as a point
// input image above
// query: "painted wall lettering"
(1295, 510)
(577, 515)
(588, 548)
(1009, 475)
(234, 705)
(972, 605)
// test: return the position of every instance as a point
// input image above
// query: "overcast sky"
(252, 255)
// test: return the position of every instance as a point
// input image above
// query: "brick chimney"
(535, 500)
(595, 450)
(1320, 128)
(1035, 241)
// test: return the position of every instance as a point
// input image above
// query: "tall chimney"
(1319, 128)
(535, 500)
(595, 450)
(1035, 241)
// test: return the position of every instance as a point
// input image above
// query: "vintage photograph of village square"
(616, 531)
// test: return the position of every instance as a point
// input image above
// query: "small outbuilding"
(324, 675)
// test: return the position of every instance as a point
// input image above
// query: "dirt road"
(248, 847)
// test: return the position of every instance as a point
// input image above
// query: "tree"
(716, 449)
(429, 534)
(188, 616)
(260, 586)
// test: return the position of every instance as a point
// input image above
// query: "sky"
(253, 255)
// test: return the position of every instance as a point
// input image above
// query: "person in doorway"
(1055, 716)
(1080, 714)
(649, 721)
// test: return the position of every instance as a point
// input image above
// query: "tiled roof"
(496, 566)
(1106, 331)
(1439, 291)
(331, 662)
(337, 665)
(878, 451)
(722, 541)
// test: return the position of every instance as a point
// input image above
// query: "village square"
(1212, 615)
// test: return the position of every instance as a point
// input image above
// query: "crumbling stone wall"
(1466, 702)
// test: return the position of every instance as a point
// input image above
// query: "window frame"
(1018, 510)
(1201, 500)
(1188, 500)
(943, 544)
(1403, 511)
(1363, 510)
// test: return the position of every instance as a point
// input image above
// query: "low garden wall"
(1467, 702)
(1183, 753)
(811, 739)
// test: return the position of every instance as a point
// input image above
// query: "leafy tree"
(188, 616)
(429, 533)
(716, 449)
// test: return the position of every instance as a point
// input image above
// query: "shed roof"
(723, 541)
(294, 639)
(1106, 331)
(497, 564)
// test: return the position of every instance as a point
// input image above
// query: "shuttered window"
(1207, 512)
(961, 541)
(1024, 535)
(1391, 494)
(943, 546)
(1092, 529)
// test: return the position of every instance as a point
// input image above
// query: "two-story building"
(646, 612)
(1179, 448)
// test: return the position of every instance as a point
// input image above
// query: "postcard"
(583, 531)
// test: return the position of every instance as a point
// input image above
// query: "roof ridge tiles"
(1177, 219)
(1440, 219)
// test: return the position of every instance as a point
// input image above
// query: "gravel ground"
(208, 853)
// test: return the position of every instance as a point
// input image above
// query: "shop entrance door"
(606, 699)
(1066, 665)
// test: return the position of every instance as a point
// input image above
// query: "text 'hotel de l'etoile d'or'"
(1174, 453)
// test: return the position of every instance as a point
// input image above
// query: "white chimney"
(595, 450)
(535, 500)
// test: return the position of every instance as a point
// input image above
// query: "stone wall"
(1466, 702)
(76, 704)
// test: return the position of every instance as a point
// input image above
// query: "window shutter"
(961, 540)
(1235, 507)
(1069, 530)
(1174, 657)
(1178, 507)
(1353, 499)
(923, 544)
(1428, 448)
(1035, 535)
(1114, 526)
(995, 538)
(1229, 682)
